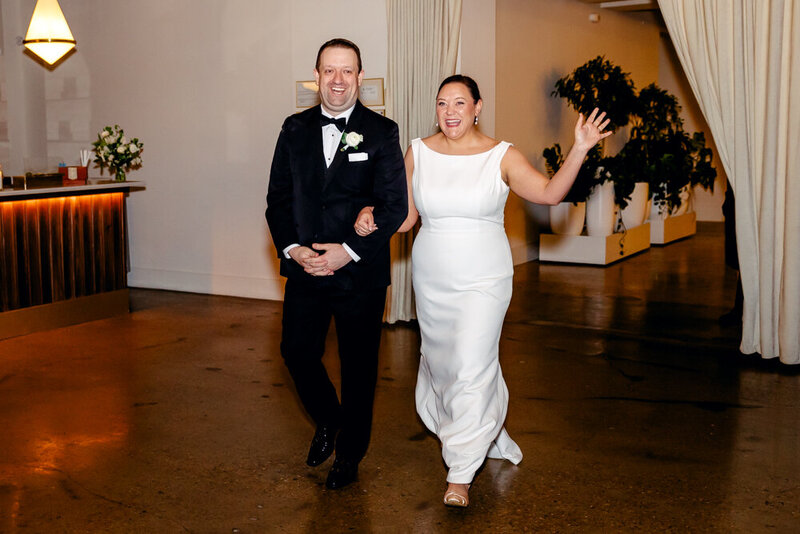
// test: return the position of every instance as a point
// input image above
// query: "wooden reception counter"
(63, 255)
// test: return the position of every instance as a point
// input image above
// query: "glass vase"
(119, 175)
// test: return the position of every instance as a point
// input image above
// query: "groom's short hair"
(340, 43)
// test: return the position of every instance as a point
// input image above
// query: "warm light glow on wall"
(49, 36)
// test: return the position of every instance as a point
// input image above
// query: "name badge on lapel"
(357, 156)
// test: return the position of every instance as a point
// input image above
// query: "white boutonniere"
(351, 140)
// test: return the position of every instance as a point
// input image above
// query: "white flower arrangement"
(115, 151)
(351, 140)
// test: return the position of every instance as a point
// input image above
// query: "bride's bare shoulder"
(434, 140)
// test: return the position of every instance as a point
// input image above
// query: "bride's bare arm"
(413, 214)
(532, 185)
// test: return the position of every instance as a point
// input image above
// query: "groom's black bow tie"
(340, 123)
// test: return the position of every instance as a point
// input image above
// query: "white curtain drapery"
(742, 59)
(423, 49)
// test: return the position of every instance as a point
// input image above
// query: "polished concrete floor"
(632, 405)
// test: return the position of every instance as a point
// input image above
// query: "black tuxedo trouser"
(357, 317)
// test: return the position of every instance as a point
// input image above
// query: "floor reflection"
(55, 431)
(632, 406)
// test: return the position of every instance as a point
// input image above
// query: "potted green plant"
(656, 123)
(703, 171)
(598, 83)
(660, 152)
(655, 152)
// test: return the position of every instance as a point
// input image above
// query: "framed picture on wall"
(371, 92)
(306, 94)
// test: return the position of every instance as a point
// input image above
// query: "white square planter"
(594, 250)
(663, 231)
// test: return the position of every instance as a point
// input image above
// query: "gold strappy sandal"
(456, 499)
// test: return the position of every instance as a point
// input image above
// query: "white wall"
(478, 55)
(22, 113)
(362, 21)
(205, 85)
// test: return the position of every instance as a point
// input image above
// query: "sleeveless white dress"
(462, 275)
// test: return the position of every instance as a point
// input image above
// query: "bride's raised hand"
(589, 131)
(365, 222)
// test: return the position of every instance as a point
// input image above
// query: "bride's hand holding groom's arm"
(365, 222)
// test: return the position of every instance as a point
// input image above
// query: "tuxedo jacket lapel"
(315, 142)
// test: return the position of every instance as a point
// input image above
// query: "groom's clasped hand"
(322, 259)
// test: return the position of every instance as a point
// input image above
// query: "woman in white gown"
(462, 272)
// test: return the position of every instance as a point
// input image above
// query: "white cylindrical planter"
(635, 213)
(600, 210)
(567, 218)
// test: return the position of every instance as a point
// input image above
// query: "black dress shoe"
(342, 473)
(322, 445)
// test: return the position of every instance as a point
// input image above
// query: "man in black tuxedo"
(330, 161)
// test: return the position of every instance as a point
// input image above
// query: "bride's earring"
(476, 120)
(436, 125)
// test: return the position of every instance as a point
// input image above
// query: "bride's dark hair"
(466, 80)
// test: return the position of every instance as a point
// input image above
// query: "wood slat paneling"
(61, 248)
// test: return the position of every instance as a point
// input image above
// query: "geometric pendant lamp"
(48, 33)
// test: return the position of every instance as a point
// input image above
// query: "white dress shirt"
(332, 136)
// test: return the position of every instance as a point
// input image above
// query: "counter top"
(92, 187)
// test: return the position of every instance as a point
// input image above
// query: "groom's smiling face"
(338, 78)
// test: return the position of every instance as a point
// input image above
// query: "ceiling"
(625, 5)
